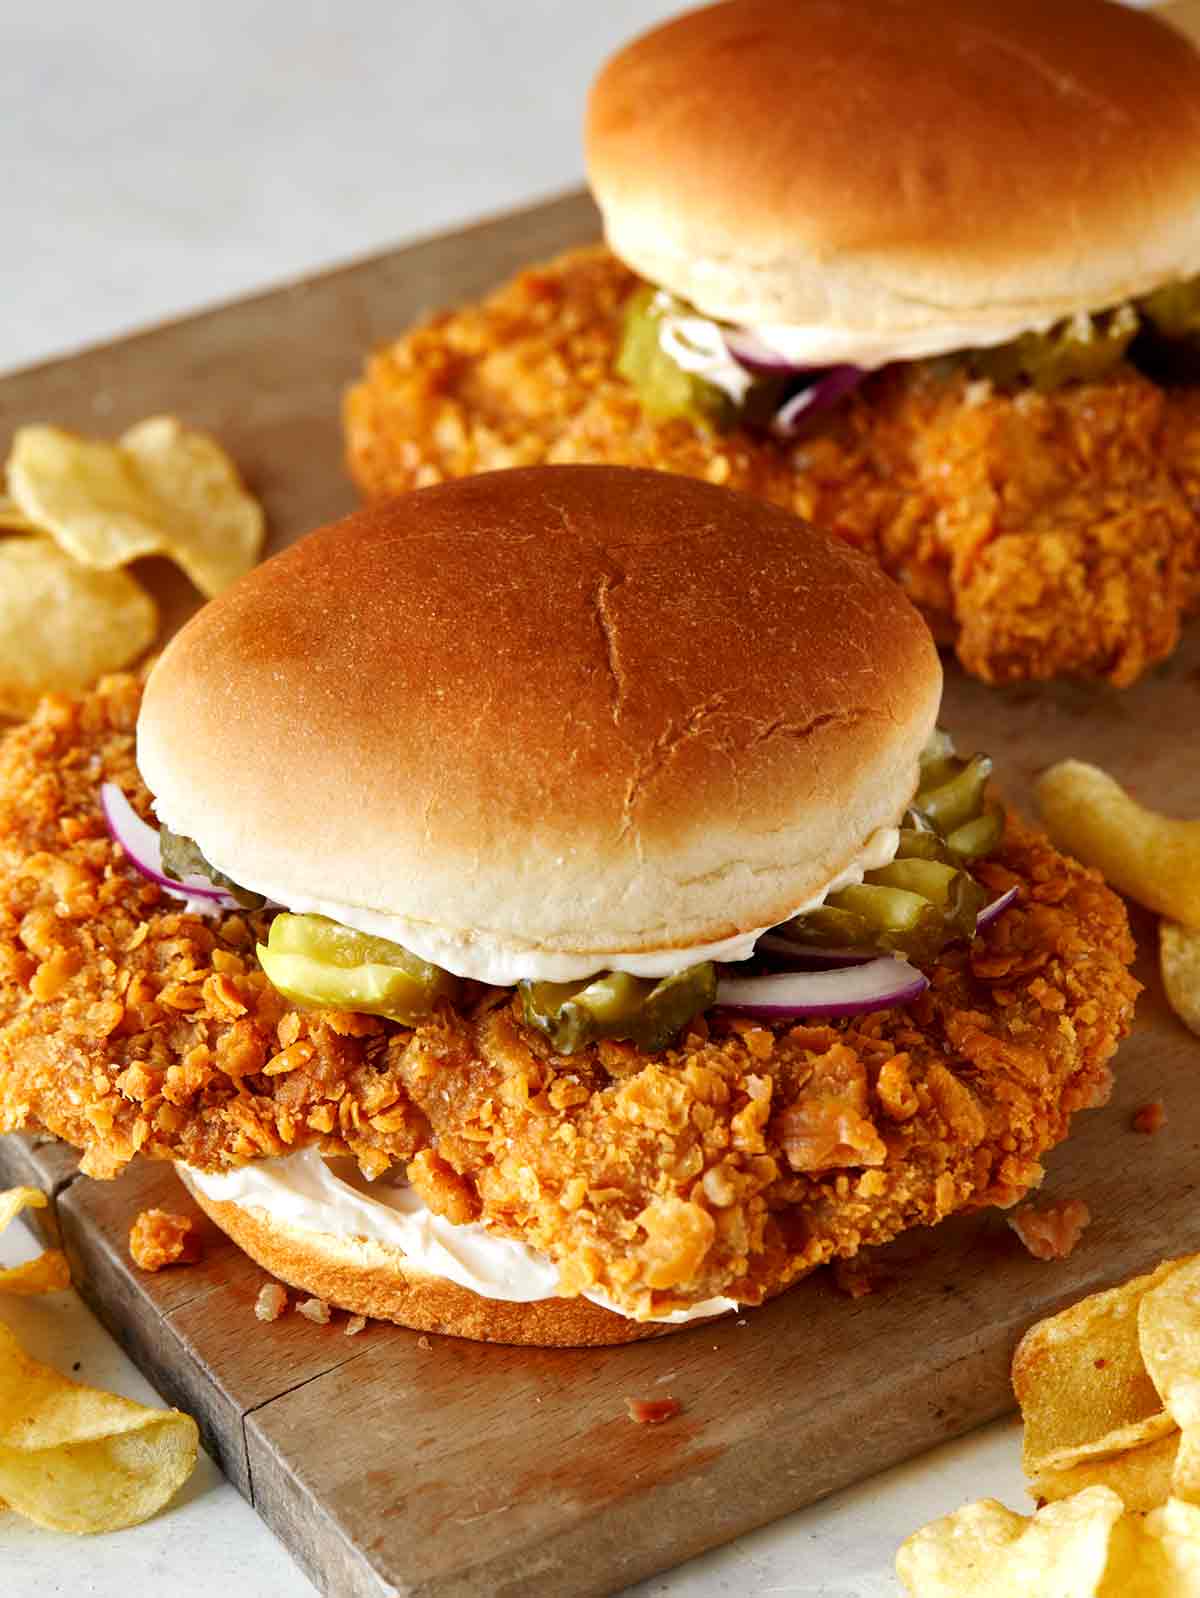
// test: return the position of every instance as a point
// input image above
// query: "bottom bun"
(369, 1278)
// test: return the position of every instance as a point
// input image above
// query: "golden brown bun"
(887, 164)
(369, 1278)
(570, 709)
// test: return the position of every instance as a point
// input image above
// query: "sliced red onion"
(833, 385)
(748, 350)
(140, 842)
(851, 990)
(778, 948)
(997, 907)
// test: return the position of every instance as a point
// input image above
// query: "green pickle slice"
(1080, 349)
(1174, 310)
(925, 898)
(947, 802)
(616, 1005)
(665, 389)
(320, 964)
(181, 857)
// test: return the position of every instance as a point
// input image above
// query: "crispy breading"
(731, 1164)
(159, 1238)
(1044, 534)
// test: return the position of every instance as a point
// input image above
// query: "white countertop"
(161, 158)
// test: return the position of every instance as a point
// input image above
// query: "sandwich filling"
(908, 892)
(724, 1166)
(684, 363)
(333, 1197)
(1045, 531)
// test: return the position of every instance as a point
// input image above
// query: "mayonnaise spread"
(698, 345)
(483, 956)
(332, 1196)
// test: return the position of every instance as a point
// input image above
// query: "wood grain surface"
(391, 1463)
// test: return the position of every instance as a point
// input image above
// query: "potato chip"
(13, 519)
(216, 527)
(1079, 1377)
(61, 625)
(1137, 1434)
(15, 1199)
(48, 1273)
(79, 1460)
(1185, 1478)
(1153, 858)
(161, 490)
(1169, 1333)
(1176, 1528)
(986, 1551)
(1179, 959)
(1141, 1477)
(1158, 1557)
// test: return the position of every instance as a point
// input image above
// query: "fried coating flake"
(731, 1164)
(159, 1238)
(1043, 534)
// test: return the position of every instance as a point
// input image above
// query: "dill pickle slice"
(900, 922)
(320, 964)
(1174, 309)
(931, 879)
(1080, 349)
(181, 857)
(664, 388)
(957, 800)
(979, 836)
(829, 928)
(919, 843)
(884, 909)
(616, 1005)
(954, 892)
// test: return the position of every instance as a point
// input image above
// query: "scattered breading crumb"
(423, 1342)
(158, 1238)
(652, 1411)
(315, 1309)
(271, 1302)
(354, 1325)
(1051, 1233)
(1150, 1118)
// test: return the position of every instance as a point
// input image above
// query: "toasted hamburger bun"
(367, 1277)
(887, 165)
(556, 713)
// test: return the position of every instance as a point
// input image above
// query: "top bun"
(889, 165)
(565, 710)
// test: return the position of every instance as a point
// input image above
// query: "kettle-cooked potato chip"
(1155, 1557)
(15, 1199)
(162, 489)
(49, 1272)
(1141, 1477)
(13, 519)
(986, 1551)
(1079, 1376)
(1179, 958)
(1169, 1334)
(63, 625)
(216, 528)
(79, 1460)
(1153, 858)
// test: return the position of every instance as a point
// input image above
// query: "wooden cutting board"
(390, 1463)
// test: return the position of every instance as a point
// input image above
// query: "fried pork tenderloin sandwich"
(542, 908)
(915, 269)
